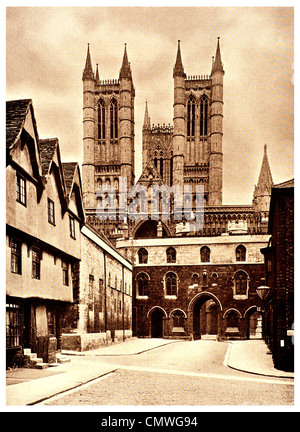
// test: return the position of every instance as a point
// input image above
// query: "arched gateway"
(204, 311)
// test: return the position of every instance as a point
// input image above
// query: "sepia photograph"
(149, 211)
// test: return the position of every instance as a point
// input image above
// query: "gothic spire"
(265, 176)
(217, 64)
(97, 78)
(178, 68)
(125, 71)
(146, 118)
(88, 70)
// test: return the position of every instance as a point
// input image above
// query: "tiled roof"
(47, 149)
(16, 111)
(68, 172)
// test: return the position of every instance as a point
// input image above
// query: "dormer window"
(72, 228)
(21, 190)
(51, 212)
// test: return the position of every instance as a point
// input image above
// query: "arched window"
(203, 116)
(178, 318)
(240, 253)
(232, 319)
(114, 120)
(101, 120)
(142, 285)
(191, 117)
(171, 255)
(171, 284)
(241, 283)
(143, 256)
(162, 166)
(205, 254)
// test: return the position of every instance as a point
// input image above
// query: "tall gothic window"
(161, 165)
(142, 285)
(203, 116)
(241, 283)
(114, 121)
(171, 255)
(171, 284)
(205, 254)
(101, 120)
(191, 117)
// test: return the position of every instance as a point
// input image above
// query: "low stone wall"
(121, 336)
(89, 341)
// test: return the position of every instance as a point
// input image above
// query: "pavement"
(31, 386)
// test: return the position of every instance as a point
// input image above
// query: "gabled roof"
(16, 112)
(150, 175)
(69, 169)
(72, 179)
(47, 149)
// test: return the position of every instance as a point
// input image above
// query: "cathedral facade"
(189, 280)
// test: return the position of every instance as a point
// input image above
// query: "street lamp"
(263, 291)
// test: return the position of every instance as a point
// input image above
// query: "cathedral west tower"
(108, 135)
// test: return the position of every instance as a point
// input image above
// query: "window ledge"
(171, 297)
(142, 297)
(240, 297)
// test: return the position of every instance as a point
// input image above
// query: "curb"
(227, 361)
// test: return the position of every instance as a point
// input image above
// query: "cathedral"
(189, 280)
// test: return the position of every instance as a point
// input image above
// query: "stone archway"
(205, 312)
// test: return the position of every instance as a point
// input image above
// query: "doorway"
(205, 317)
(255, 325)
(157, 323)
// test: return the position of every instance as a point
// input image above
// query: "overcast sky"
(46, 52)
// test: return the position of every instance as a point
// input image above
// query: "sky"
(46, 50)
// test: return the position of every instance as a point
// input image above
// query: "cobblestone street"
(183, 373)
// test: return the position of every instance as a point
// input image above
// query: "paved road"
(188, 373)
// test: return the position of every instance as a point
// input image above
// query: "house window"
(240, 253)
(36, 264)
(171, 255)
(51, 212)
(171, 284)
(21, 190)
(72, 227)
(65, 269)
(14, 325)
(16, 256)
(142, 285)
(143, 256)
(205, 254)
